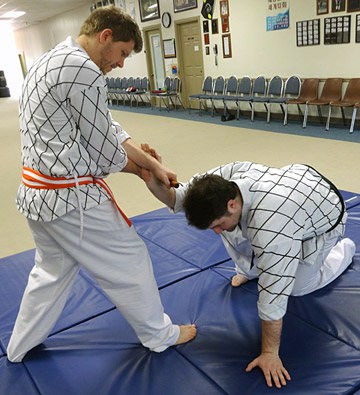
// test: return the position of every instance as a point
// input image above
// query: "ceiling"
(37, 10)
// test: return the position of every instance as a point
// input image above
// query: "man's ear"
(105, 36)
(232, 205)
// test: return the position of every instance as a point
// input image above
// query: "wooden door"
(190, 58)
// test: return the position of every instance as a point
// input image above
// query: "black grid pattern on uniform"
(66, 131)
(287, 206)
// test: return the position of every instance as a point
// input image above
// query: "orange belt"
(33, 179)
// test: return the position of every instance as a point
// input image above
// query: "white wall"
(9, 60)
(254, 50)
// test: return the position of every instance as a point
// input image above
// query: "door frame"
(178, 23)
(149, 64)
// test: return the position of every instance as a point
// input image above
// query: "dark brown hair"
(123, 27)
(206, 199)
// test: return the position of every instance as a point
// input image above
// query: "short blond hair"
(123, 27)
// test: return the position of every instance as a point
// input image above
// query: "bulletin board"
(308, 33)
(357, 29)
(337, 30)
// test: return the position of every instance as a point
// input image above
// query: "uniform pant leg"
(45, 295)
(331, 262)
(118, 259)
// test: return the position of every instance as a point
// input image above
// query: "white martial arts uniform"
(67, 131)
(291, 221)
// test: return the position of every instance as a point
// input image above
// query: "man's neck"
(89, 44)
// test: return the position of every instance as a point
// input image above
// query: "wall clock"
(166, 19)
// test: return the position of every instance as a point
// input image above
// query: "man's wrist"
(272, 352)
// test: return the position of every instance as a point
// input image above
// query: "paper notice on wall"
(277, 15)
(168, 65)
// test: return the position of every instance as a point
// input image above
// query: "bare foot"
(187, 332)
(237, 280)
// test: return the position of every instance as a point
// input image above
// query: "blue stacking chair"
(258, 89)
(291, 90)
(217, 93)
(231, 90)
(166, 88)
(207, 90)
(275, 89)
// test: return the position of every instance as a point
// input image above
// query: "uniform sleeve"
(277, 270)
(277, 247)
(101, 136)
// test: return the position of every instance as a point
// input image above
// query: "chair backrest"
(219, 86)
(292, 86)
(207, 85)
(332, 89)
(175, 86)
(245, 86)
(131, 81)
(124, 83)
(118, 83)
(145, 86)
(352, 93)
(232, 85)
(309, 89)
(259, 86)
(137, 83)
(111, 84)
(167, 83)
(276, 85)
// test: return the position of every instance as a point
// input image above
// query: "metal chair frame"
(207, 89)
(275, 89)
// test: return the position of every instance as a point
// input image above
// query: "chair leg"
(268, 112)
(286, 114)
(282, 108)
(343, 115)
(320, 115)
(178, 97)
(305, 115)
(327, 127)
(353, 120)
(299, 109)
(237, 110)
(252, 112)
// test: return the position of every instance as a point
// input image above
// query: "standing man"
(70, 143)
(281, 226)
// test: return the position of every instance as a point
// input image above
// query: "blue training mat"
(93, 350)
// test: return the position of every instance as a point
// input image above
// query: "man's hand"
(158, 189)
(149, 159)
(161, 172)
(272, 368)
(151, 151)
(269, 361)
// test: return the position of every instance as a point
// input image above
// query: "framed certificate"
(353, 5)
(224, 8)
(183, 5)
(169, 48)
(322, 7)
(149, 10)
(226, 43)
